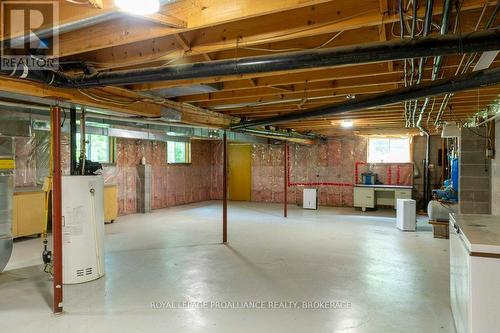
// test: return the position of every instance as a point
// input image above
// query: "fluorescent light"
(142, 7)
(485, 60)
(347, 123)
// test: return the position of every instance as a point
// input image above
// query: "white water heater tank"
(83, 228)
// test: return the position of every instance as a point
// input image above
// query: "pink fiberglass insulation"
(388, 173)
(172, 184)
(330, 166)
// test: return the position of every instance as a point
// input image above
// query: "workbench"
(369, 196)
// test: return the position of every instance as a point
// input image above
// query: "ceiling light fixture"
(347, 124)
(143, 7)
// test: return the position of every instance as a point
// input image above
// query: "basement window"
(389, 150)
(178, 152)
(99, 148)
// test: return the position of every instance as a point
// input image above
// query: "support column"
(285, 174)
(474, 185)
(224, 189)
(72, 137)
(57, 210)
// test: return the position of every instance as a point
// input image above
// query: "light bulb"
(142, 7)
(347, 124)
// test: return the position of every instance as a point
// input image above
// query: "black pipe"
(458, 83)
(493, 16)
(365, 53)
(279, 134)
(72, 140)
(427, 183)
(444, 30)
(425, 33)
(427, 29)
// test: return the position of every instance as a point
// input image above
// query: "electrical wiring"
(238, 45)
(405, 69)
(120, 102)
(430, 112)
(472, 57)
(420, 29)
(293, 49)
(106, 100)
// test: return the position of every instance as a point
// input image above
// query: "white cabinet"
(406, 217)
(364, 197)
(475, 272)
(459, 281)
(369, 196)
(310, 198)
(401, 194)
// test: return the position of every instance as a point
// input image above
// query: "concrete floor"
(378, 278)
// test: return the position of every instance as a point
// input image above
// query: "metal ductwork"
(365, 53)
(282, 135)
(438, 87)
(6, 198)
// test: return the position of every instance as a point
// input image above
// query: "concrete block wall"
(495, 173)
(475, 175)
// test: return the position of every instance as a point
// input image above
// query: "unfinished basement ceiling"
(205, 31)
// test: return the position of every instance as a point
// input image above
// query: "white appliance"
(406, 215)
(83, 228)
(450, 130)
(310, 198)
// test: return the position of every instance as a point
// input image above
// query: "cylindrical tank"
(6, 198)
(83, 228)
(439, 211)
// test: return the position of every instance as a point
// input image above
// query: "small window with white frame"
(389, 150)
(98, 148)
(178, 152)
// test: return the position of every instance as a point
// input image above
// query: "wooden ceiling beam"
(74, 96)
(202, 14)
(165, 20)
(189, 114)
(394, 78)
(258, 32)
(311, 95)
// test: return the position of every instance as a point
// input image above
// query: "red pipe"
(57, 210)
(323, 184)
(285, 181)
(224, 189)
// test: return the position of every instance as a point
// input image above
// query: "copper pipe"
(57, 210)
